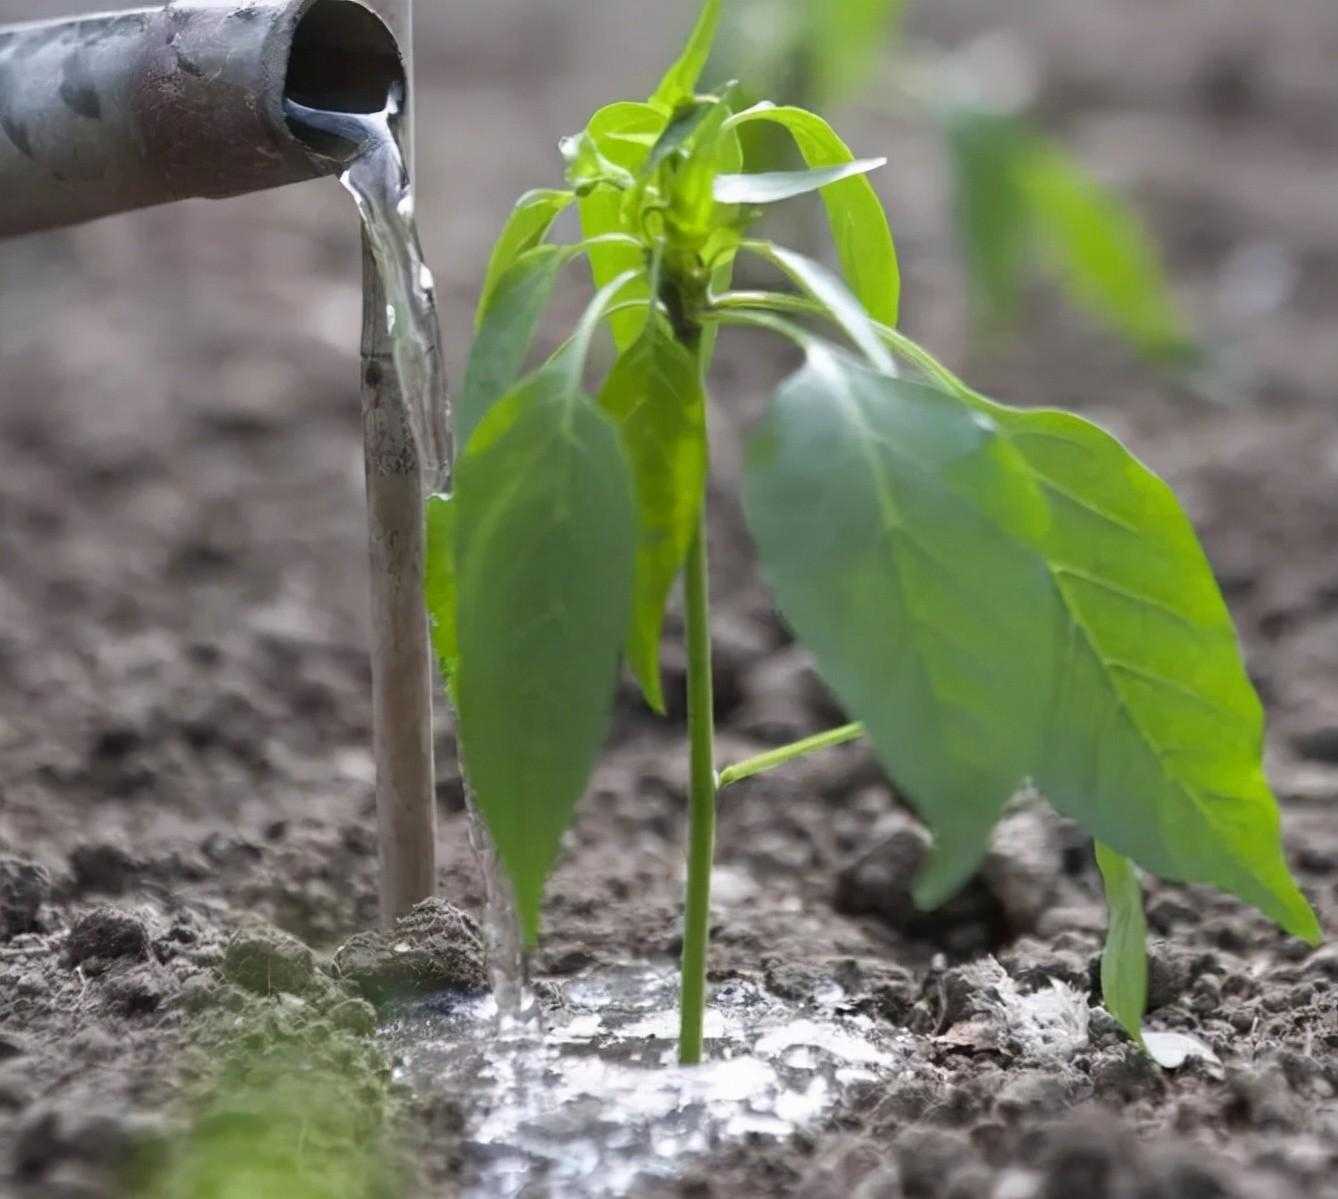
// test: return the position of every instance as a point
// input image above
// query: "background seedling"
(1024, 206)
(1000, 596)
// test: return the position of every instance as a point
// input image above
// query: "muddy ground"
(184, 714)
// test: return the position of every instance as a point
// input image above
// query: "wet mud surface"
(186, 824)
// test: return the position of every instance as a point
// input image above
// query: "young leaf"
(1002, 595)
(506, 328)
(680, 81)
(771, 187)
(1124, 960)
(682, 128)
(654, 394)
(439, 583)
(858, 223)
(587, 166)
(625, 133)
(526, 227)
(545, 540)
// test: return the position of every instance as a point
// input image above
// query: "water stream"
(589, 1100)
(379, 182)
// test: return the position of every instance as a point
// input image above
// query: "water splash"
(598, 1106)
(518, 1011)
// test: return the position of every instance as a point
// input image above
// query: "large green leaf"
(506, 329)
(545, 543)
(439, 584)
(680, 81)
(866, 496)
(858, 223)
(1156, 734)
(773, 187)
(527, 226)
(1124, 960)
(654, 394)
(1003, 596)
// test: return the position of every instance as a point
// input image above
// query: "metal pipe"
(103, 114)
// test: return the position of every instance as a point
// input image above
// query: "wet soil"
(184, 686)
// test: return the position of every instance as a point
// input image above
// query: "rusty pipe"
(108, 113)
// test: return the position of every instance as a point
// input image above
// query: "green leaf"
(625, 133)
(844, 42)
(1018, 192)
(866, 496)
(855, 213)
(654, 394)
(587, 166)
(686, 122)
(1003, 596)
(1110, 263)
(439, 583)
(545, 541)
(526, 227)
(991, 212)
(831, 292)
(771, 187)
(1124, 960)
(680, 81)
(1156, 734)
(506, 329)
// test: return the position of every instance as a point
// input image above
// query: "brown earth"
(184, 687)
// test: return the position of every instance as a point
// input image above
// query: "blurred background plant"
(1025, 208)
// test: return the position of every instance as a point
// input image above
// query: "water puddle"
(596, 1105)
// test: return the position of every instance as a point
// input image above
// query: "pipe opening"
(343, 59)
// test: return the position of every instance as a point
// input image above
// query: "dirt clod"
(435, 947)
(264, 960)
(106, 933)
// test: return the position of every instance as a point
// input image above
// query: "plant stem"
(787, 753)
(701, 804)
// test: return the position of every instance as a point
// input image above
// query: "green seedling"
(1001, 597)
(1024, 207)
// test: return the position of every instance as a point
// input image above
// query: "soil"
(186, 822)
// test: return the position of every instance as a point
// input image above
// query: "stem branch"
(788, 753)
